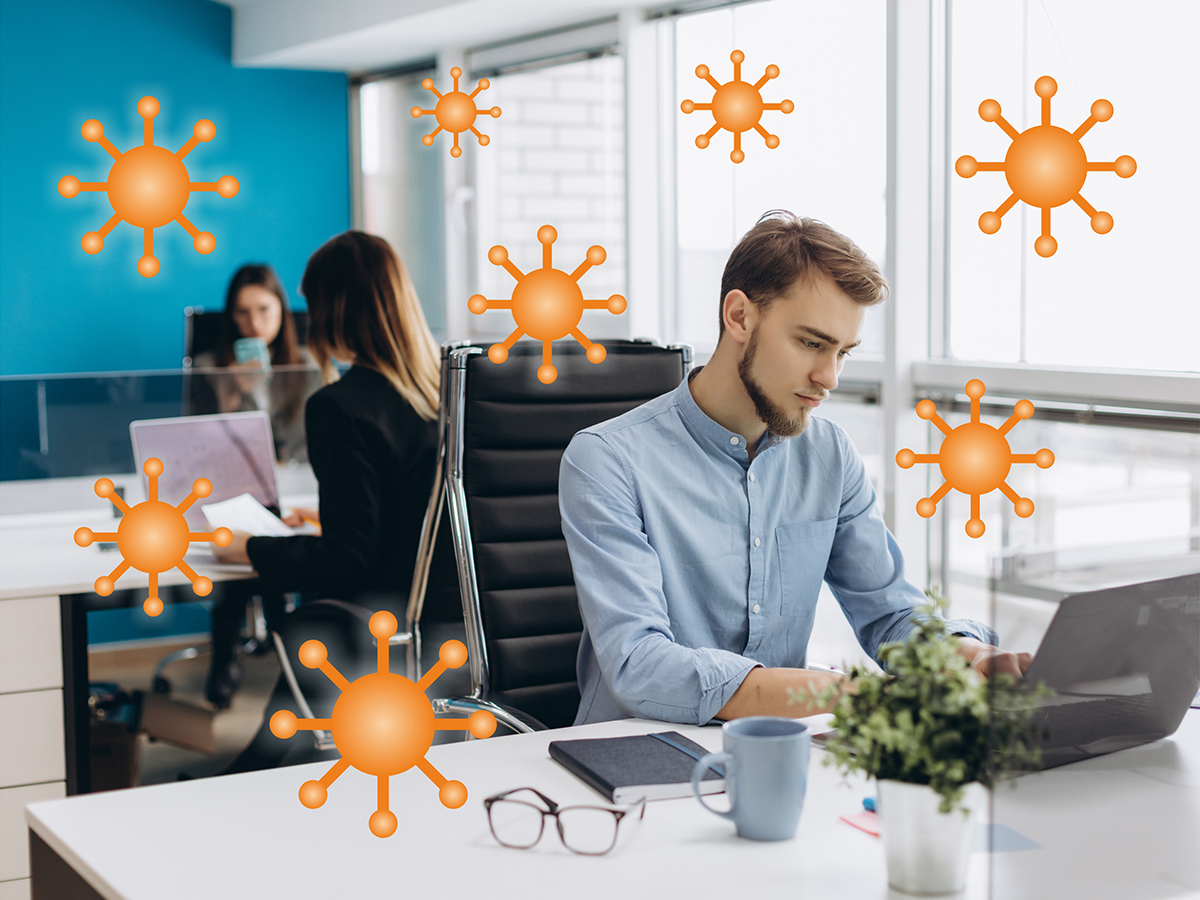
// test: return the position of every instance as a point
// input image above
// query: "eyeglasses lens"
(516, 823)
(588, 830)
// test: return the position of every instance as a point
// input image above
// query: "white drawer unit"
(15, 890)
(14, 833)
(31, 738)
(30, 644)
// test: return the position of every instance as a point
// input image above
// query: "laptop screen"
(234, 451)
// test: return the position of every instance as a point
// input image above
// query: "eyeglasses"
(518, 821)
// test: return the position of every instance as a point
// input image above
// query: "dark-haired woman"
(372, 442)
(258, 335)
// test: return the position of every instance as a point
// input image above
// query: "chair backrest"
(202, 329)
(506, 433)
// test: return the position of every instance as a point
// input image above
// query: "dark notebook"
(625, 769)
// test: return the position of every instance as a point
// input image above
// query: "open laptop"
(235, 451)
(1124, 664)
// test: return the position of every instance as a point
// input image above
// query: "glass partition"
(62, 426)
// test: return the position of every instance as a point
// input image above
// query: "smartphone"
(250, 349)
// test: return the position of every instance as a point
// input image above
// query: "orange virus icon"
(153, 537)
(547, 304)
(975, 458)
(148, 186)
(1045, 166)
(737, 106)
(383, 724)
(456, 112)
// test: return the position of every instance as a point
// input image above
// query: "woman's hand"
(298, 515)
(236, 551)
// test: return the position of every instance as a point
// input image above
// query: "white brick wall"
(556, 158)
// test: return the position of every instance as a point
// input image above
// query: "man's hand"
(986, 659)
(236, 551)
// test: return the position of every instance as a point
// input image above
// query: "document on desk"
(244, 513)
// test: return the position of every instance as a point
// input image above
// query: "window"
(1100, 300)
(557, 157)
(402, 185)
(831, 162)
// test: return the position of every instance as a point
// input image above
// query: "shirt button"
(734, 439)
(757, 542)
(752, 478)
(756, 609)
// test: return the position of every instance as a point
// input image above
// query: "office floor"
(160, 761)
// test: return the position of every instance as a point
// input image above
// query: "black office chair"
(505, 433)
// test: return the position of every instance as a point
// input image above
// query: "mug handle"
(698, 772)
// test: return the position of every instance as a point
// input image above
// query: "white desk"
(43, 637)
(1123, 826)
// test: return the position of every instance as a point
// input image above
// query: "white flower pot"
(927, 850)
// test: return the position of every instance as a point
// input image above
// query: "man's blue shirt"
(693, 563)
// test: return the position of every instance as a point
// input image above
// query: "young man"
(702, 524)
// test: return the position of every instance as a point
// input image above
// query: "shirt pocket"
(803, 549)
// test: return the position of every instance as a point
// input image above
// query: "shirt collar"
(707, 431)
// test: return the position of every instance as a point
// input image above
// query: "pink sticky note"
(866, 821)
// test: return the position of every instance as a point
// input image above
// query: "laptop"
(1124, 664)
(235, 451)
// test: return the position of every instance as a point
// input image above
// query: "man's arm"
(618, 579)
(866, 574)
(764, 692)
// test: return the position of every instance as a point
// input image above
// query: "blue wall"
(283, 134)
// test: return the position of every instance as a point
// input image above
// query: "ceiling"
(372, 35)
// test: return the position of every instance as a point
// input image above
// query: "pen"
(311, 521)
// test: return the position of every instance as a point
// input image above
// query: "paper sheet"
(244, 513)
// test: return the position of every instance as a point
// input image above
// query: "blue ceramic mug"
(766, 773)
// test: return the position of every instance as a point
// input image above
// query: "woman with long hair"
(257, 316)
(372, 443)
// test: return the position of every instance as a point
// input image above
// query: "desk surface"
(38, 553)
(1123, 826)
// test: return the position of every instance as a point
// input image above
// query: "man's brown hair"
(783, 248)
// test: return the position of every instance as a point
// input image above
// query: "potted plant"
(935, 735)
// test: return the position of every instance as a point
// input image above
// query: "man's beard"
(777, 419)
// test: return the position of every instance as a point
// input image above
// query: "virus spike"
(338, 768)
(148, 266)
(383, 821)
(595, 256)
(148, 108)
(546, 236)
(433, 774)
(546, 372)
(928, 506)
(975, 527)
(112, 578)
(702, 72)
(153, 604)
(382, 626)
(1046, 166)
(975, 459)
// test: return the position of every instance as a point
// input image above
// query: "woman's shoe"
(223, 682)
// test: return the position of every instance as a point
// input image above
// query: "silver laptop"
(235, 451)
(1124, 664)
